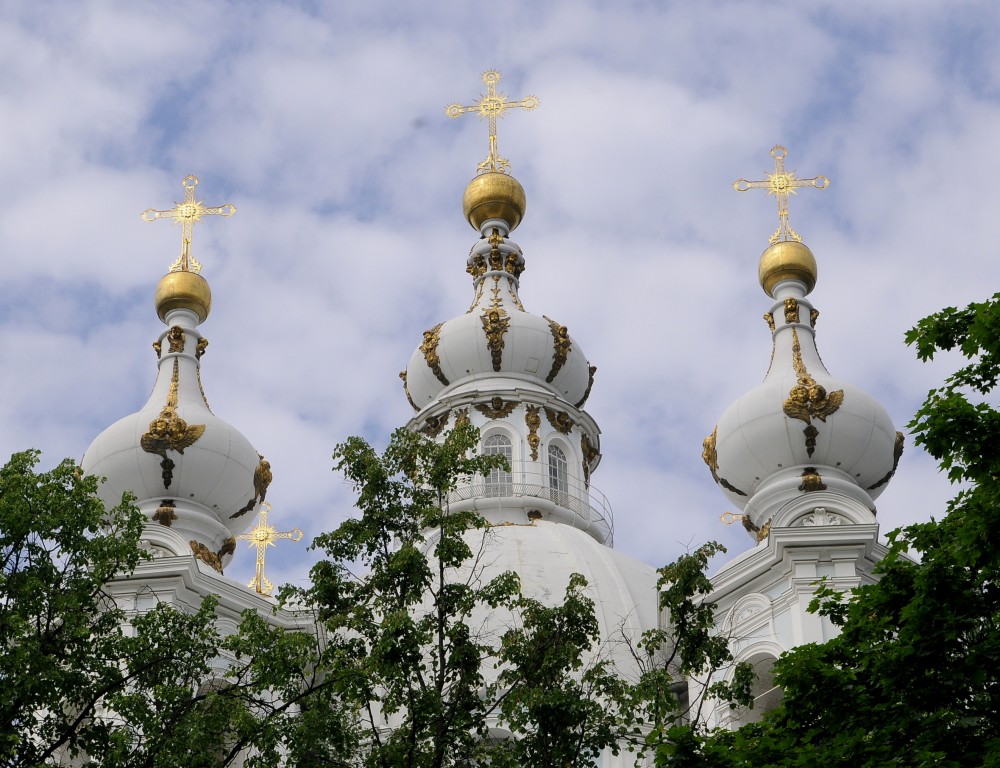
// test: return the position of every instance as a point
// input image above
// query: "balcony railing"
(589, 507)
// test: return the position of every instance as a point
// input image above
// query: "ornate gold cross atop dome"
(186, 213)
(491, 106)
(781, 183)
(263, 536)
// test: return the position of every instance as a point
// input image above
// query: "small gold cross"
(263, 536)
(186, 214)
(781, 183)
(491, 106)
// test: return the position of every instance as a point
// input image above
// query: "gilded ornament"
(434, 424)
(811, 434)
(897, 452)
(496, 301)
(228, 547)
(495, 325)
(496, 408)
(495, 258)
(759, 533)
(476, 266)
(169, 432)
(811, 481)
(187, 214)
(791, 310)
(590, 386)
(710, 456)
(533, 421)
(262, 477)
(461, 417)
(207, 556)
(157, 348)
(514, 296)
(165, 514)
(201, 388)
(590, 454)
(561, 348)
(491, 106)
(764, 530)
(513, 265)
(429, 349)
(813, 317)
(406, 391)
(560, 421)
(175, 337)
(200, 348)
(769, 319)
(781, 184)
(807, 399)
(262, 536)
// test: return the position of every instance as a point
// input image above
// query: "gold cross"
(263, 536)
(781, 183)
(491, 106)
(186, 214)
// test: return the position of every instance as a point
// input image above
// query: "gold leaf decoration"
(495, 325)
(406, 391)
(561, 422)
(811, 481)
(434, 424)
(206, 555)
(461, 417)
(429, 349)
(561, 348)
(791, 310)
(769, 319)
(169, 432)
(590, 386)
(807, 399)
(533, 421)
(897, 452)
(496, 408)
(165, 514)
(202, 345)
(175, 337)
(262, 477)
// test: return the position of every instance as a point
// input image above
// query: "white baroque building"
(803, 455)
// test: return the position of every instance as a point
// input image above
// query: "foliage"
(913, 678)
(82, 680)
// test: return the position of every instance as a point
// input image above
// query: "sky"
(324, 124)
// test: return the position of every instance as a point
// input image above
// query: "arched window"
(558, 476)
(766, 695)
(499, 481)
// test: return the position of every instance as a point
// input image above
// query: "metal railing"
(590, 508)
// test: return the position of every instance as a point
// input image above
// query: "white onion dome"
(191, 472)
(801, 431)
(497, 336)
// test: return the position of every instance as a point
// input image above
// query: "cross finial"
(262, 536)
(186, 213)
(491, 106)
(781, 183)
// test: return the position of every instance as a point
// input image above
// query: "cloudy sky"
(323, 122)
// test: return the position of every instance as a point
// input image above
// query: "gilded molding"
(495, 325)
(462, 417)
(262, 477)
(201, 388)
(765, 529)
(514, 297)
(791, 310)
(495, 257)
(228, 547)
(590, 453)
(175, 337)
(561, 422)
(769, 319)
(561, 348)
(811, 434)
(433, 425)
(711, 458)
(807, 399)
(207, 556)
(169, 432)
(590, 386)
(429, 350)
(811, 481)
(533, 421)
(157, 348)
(512, 265)
(496, 408)
(813, 317)
(165, 514)
(897, 452)
(476, 266)
(406, 391)
(202, 345)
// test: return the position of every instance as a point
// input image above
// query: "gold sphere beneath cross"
(787, 260)
(183, 290)
(494, 196)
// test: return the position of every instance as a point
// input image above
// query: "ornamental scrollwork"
(590, 454)
(158, 348)
(496, 408)
(169, 432)
(533, 422)
(561, 347)
(769, 319)
(710, 456)
(429, 350)
(560, 421)
(406, 391)
(590, 386)
(200, 348)
(262, 477)
(495, 325)
(207, 556)
(476, 266)
(897, 452)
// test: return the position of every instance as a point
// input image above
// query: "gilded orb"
(787, 260)
(494, 196)
(183, 290)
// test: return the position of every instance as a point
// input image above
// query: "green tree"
(914, 677)
(81, 680)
